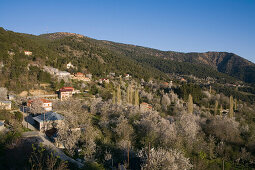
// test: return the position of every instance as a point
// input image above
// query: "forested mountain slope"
(169, 61)
(224, 62)
(101, 57)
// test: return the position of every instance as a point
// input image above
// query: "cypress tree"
(118, 95)
(131, 95)
(136, 98)
(235, 104)
(231, 105)
(221, 110)
(128, 93)
(114, 97)
(190, 104)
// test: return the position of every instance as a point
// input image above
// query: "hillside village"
(98, 111)
(65, 117)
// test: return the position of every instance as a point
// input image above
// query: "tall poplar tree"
(131, 95)
(128, 93)
(221, 110)
(231, 105)
(136, 98)
(114, 97)
(190, 104)
(118, 95)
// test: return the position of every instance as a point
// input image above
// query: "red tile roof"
(45, 101)
(65, 89)
(68, 88)
(41, 99)
(79, 74)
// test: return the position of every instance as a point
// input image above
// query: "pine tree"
(113, 97)
(231, 105)
(216, 108)
(118, 95)
(136, 98)
(190, 104)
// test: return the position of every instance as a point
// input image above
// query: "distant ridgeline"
(20, 69)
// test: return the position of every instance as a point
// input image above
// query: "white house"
(66, 92)
(28, 52)
(46, 104)
(101, 81)
(81, 77)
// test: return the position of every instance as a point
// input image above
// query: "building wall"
(47, 106)
(28, 52)
(48, 125)
(65, 95)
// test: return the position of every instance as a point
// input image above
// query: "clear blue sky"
(176, 25)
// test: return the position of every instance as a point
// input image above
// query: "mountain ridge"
(57, 49)
(224, 62)
(63, 34)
